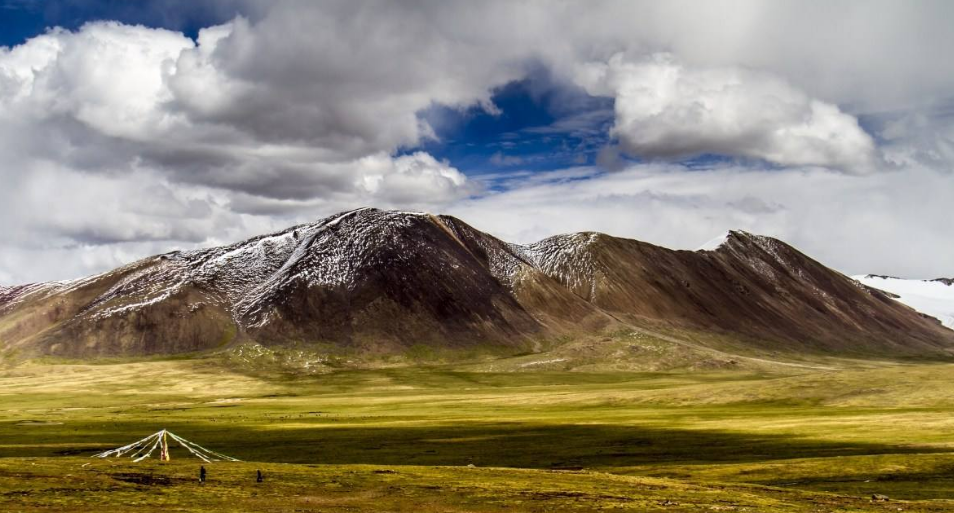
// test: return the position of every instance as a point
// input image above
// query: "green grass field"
(445, 438)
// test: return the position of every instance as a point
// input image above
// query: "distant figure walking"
(202, 474)
(259, 478)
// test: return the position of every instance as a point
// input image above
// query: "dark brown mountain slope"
(750, 285)
(383, 280)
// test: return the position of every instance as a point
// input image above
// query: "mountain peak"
(725, 237)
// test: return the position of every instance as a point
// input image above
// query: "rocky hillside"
(381, 282)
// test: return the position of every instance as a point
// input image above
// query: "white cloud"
(107, 76)
(664, 109)
(415, 179)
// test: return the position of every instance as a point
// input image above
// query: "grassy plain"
(446, 438)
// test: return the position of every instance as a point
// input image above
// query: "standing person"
(202, 474)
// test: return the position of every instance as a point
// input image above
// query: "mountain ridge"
(380, 282)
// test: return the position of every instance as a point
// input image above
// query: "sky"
(129, 129)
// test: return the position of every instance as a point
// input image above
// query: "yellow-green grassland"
(464, 437)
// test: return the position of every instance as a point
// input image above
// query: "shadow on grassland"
(522, 445)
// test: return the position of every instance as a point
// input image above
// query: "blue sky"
(23, 19)
(539, 126)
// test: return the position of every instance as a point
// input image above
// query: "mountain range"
(380, 282)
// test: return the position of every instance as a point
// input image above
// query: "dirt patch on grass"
(38, 423)
(144, 479)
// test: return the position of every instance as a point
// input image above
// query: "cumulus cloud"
(75, 76)
(664, 109)
(410, 179)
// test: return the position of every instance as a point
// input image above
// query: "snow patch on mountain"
(930, 297)
(10, 297)
(566, 259)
